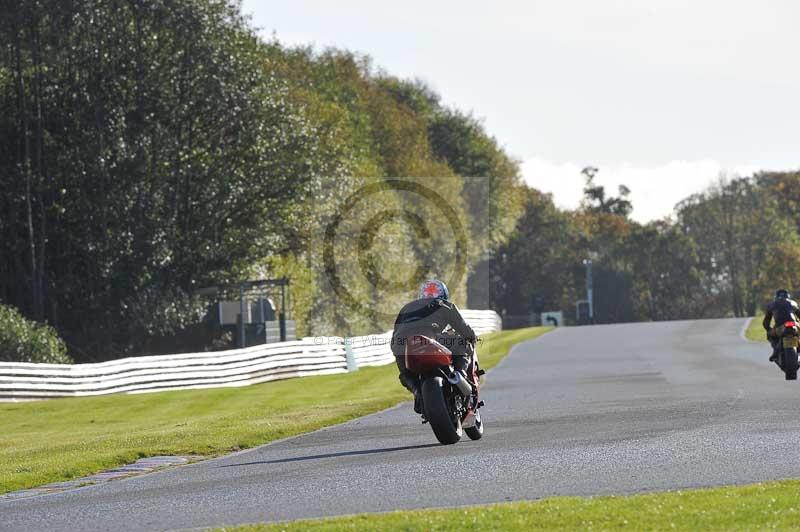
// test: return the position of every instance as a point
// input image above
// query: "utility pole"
(282, 315)
(589, 288)
(242, 337)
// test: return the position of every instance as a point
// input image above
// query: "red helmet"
(433, 289)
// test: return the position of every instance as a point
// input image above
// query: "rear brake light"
(790, 325)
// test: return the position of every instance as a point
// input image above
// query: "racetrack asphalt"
(612, 409)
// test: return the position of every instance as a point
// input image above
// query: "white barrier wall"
(237, 367)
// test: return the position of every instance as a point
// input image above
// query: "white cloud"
(655, 190)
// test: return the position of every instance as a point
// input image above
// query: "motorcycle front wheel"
(446, 427)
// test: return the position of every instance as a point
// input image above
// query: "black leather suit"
(430, 317)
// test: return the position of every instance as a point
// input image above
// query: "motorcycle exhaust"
(459, 382)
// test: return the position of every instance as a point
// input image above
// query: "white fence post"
(352, 363)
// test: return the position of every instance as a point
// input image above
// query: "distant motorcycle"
(451, 404)
(789, 338)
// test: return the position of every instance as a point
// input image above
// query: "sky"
(663, 96)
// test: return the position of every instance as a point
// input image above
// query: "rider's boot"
(412, 385)
(418, 402)
(775, 349)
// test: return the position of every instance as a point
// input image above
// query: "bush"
(23, 340)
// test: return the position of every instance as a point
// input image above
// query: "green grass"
(755, 332)
(493, 347)
(62, 439)
(772, 506)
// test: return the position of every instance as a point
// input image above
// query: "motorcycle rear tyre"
(446, 430)
(790, 363)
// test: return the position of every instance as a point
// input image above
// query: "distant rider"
(430, 315)
(783, 309)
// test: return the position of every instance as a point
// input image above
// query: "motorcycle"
(450, 403)
(789, 338)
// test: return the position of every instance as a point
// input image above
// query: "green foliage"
(161, 155)
(151, 149)
(726, 251)
(384, 127)
(667, 283)
(493, 184)
(785, 188)
(22, 340)
(536, 269)
(745, 239)
(148, 150)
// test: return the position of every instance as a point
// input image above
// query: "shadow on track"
(336, 455)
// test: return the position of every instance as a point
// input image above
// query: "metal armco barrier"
(238, 367)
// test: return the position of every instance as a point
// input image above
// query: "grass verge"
(772, 506)
(62, 439)
(755, 331)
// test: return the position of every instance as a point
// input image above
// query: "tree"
(667, 283)
(539, 265)
(779, 270)
(149, 149)
(147, 152)
(737, 225)
(595, 199)
(394, 128)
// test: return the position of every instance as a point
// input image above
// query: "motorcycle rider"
(783, 309)
(429, 315)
